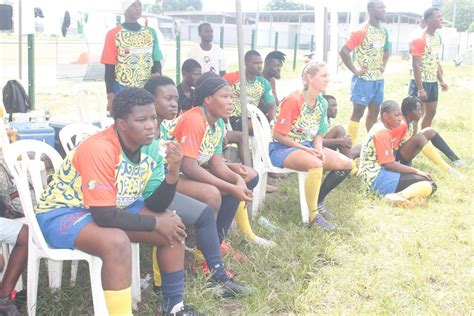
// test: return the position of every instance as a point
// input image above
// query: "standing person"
(111, 191)
(371, 45)
(400, 184)
(191, 71)
(191, 211)
(427, 71)
(210, 56)
(131, 53)
(298, 142)
(14, 234)
(258, 89)
(272, 70)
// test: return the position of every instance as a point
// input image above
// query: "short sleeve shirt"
(259, 89)
(299, 120)
(402, 133)
(210, 60)
(427, 47)
(197, 138)
(133, 54)
(98, 174)
(369, 43)
(377, 150)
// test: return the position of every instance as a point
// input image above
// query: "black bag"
(15, 98)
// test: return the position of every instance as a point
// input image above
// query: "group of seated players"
(161, 167)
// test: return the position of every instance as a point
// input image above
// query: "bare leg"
(335, 161)
(430, 112)
(412, 147)
(372, 115)
(357, 112)
(16, 264)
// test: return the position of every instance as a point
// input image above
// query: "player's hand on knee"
(170, 225)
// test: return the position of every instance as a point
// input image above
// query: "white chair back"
(71, 135)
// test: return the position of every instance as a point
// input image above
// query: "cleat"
(324, 211)
(322, 223)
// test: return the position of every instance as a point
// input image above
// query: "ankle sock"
(353, 131)
(156, 268)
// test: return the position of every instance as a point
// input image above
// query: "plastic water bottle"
(267, 224)
(145, 282)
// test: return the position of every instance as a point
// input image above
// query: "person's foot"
(228, 288)
(418, 200)
(398, 200)
(324, 211)
(271, 188)
(182, 310)
(322, 223)
(226, 248)
(263, 242)
(456, 173)
(460, 163)
(8, 307)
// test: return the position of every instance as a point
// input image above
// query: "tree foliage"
(287, 5)
(464, 13)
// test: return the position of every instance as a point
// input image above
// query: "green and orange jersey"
(301, 121)
(197, 138)
(98, 174)
(369, 44)
(258, 89)
(133, 54)
(428, 47)
(402, 133)
(377, 150)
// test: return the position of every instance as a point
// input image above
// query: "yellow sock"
(156, 268)
(353, 131)
(242, 219)
(312, 185)
(431, 152)
(354, 169)
(119, 302)
(198, 256)
(422, 188)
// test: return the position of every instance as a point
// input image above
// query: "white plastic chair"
(71, 135)
(263, 165)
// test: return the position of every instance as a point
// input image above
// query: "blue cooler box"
(33, 130)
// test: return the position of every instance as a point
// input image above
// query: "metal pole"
(222, 38)
(243, 90)
(276, 40)
(252, 42)
(31, 69)
(311, 44)
(295, 50)
(20, 43)
(257, 20)
(178, 58)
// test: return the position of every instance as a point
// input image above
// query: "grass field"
(380, 260)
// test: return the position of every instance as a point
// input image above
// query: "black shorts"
(431, 89)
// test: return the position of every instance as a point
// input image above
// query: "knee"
(358, 112)
(254, 177)
(420, 138)
(339, 130)
(116, 245)
(347, 164)
(212, 197)
(429, 132)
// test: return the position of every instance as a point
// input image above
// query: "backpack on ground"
(15, 98)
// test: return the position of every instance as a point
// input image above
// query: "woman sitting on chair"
(298, 133)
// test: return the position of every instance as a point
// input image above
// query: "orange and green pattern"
(428, 47)
(98, 174)
(369, 43)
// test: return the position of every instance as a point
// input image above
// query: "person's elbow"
(344, 52)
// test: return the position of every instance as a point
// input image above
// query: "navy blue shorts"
(366, 92)
(431, 89)
(61, 226)
(278, 152)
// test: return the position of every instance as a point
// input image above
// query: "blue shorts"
(278, 152)
(61, 226)
(431, 89)
(118, 88)
(366, 92)
(386, 181)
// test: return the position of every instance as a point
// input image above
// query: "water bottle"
(267, 224)
(144, 283)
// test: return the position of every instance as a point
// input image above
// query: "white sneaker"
(456, 173)
(460, 163)
(264, 242)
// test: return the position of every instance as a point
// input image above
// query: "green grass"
(381, 259)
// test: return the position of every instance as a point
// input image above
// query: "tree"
(182, 5)
(464, 15)
(287, 5)
(470, 29)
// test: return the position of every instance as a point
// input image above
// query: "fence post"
(31, 69)
(311, 44)
(252, 44)
(178, 58)
(222, 38)
(276, 40)
(296, 49)
(118, 19)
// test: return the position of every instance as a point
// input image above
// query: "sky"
(415, 6)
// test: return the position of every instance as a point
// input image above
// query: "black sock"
(331, 181)
(439, 143)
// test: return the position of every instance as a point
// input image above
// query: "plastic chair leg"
(74, 268)
(303, 204)
(136, 290)
(32, 281)
(98, 297)
(55, 273)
